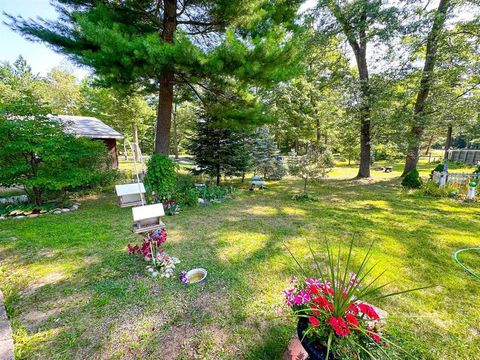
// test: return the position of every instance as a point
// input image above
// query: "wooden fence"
(469, 156)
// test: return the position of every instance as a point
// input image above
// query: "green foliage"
(266, 156)
(35, 151)
(430, 188)
(477, 170)
(314, 165)
(39, 156)
(219, 150)
(387, 152)
(161, 177)
(412, 180)
(439, 168)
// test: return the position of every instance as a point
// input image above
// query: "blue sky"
(38, 55)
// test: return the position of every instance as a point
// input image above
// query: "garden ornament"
(471, 190)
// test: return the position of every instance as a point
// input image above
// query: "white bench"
(257, 181)
(130, 194)
(147, 218)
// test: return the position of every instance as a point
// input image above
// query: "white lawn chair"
(130, 194)
(147, 218)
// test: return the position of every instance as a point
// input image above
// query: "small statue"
(471, 190)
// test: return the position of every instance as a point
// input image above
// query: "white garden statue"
(471, 190)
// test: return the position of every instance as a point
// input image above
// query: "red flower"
(315, 311)
(339, 326)
(312, 289)
(133, 249)
(369, 311)
(314, 321)
(352, 320)
(353, 309)
(323, 302)
(372, 335)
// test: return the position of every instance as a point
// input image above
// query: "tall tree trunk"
(448, 142)
(218, 174)
(365, 110)
(318, 130)
(167, 78)
(418, 127)
(175, 135)
(429, 144)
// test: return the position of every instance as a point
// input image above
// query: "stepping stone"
(295, 351)
(6, 340)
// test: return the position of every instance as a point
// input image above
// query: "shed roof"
(87, 126)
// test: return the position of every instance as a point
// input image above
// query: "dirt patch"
(33, 319)
(49, 279)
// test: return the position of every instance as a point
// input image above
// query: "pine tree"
(219, 150)
(154, 44)
(266, 156)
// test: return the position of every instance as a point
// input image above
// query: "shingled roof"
(87, 126)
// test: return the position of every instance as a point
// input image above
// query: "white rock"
(19, 217)
(57, 212)
(155, 274)
(65, 210)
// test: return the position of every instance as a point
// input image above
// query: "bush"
(161, 177)
(432, 189)
(412, 180)
(477, 170)
(386, 152)
(439, 168)
(186, 194)
(37, 154)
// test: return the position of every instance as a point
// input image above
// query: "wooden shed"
(95, 129)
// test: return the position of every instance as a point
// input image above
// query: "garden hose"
(468, 270)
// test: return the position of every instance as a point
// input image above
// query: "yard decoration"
(471, 190)
(335, 318)
(130, 194)
(147, 218)
(162, 264)
(193, 276)
(257, 183)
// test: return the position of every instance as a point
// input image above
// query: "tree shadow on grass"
(121, 312)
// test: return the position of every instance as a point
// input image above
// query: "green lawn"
(72, 291)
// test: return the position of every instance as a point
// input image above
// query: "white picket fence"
(443, 178)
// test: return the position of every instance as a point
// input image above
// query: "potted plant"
(335, 318)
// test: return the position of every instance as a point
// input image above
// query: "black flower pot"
(315, 350)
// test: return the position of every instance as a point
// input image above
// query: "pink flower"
(302, 298)
(289, 297)
(293, 280)
(312, 281)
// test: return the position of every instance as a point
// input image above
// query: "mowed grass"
(72, 291)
